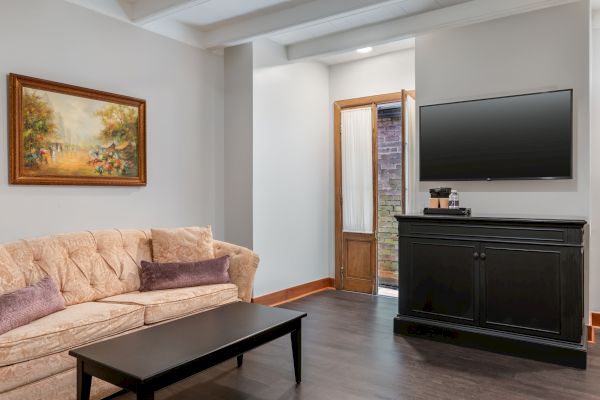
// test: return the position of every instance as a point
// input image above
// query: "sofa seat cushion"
(161, 305)
(23, 373)
(74, 326)
(62, 386)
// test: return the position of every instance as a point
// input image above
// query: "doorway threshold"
(386, 291)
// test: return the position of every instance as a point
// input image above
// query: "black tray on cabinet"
(447, 211)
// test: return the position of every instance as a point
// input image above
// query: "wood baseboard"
(595, 319)
(296, 292)
(591, 328)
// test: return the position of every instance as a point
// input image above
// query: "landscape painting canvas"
(62, 134)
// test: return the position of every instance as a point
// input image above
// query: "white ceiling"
(328, 30)
(353, 55)
(210, 14)
(377, 13)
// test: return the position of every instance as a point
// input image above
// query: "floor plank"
(350, 352)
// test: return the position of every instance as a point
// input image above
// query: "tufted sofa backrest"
(86, 266)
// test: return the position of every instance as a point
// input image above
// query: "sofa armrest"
(242, 266)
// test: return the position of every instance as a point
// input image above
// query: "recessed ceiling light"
(364, 50)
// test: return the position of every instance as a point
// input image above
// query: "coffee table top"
(149, 352)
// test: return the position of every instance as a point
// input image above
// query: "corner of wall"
(237, 144)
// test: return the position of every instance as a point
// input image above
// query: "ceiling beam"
(400, 28)
(147, 11)
(263, 24)
(178, 31)
(119, 9)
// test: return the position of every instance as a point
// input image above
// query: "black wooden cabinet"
(507, 284)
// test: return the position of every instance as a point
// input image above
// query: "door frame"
(405, 177)
(338, 106)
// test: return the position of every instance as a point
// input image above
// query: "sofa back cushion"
(182, 244)
(11, 276)
(85, 266)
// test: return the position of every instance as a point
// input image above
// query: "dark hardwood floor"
(350, 352)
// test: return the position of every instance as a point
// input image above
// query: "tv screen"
(516, 137)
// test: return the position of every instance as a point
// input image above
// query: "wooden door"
(359, 262)
(358, 270)
(356, 253)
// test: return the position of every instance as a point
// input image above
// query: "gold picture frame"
(62, 134)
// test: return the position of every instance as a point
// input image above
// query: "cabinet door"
(442, 280)
(532, 290)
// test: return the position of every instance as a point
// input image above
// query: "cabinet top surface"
(495, 218)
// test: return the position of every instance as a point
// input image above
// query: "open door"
(359, 198)
(368, 167)
(355, 141)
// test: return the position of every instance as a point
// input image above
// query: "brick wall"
(389, 138)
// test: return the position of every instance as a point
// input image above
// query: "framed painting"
(67, 135)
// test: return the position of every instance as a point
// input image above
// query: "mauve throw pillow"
(156, 276)
(33, 302)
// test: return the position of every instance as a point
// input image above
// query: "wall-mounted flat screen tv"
(515, 137)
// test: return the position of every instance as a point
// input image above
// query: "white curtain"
(357, 170)
(410, 122)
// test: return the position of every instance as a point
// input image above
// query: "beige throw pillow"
(182, 244)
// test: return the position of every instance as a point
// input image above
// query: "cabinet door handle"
(475, 255)
(482, 256)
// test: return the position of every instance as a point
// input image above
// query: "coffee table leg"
(144, 394)
(297, 352)
(240, 360)
(84, 382)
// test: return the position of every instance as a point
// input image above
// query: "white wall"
(183, 87)
(594, 239)
(382, 74)
(237, 176)
(518, 54)
(291, 164)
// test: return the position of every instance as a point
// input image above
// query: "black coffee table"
(153, 358)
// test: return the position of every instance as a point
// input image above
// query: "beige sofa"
(98, 276)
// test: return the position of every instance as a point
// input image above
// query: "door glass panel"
(357, 170)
